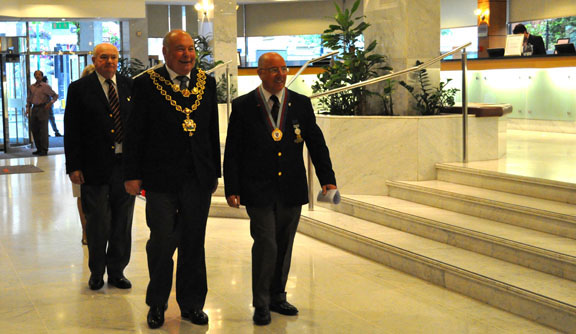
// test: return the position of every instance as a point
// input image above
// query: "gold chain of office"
(188, 125)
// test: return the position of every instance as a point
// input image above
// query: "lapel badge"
(298, 133)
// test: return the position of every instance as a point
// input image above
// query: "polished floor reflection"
(44, 275)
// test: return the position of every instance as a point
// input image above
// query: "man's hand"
(133, 187)
(27, 111)
(233, 201)
(327, 187)
(76, 177)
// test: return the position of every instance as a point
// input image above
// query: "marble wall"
(367, 151)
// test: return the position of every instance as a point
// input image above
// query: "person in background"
(264, 170)
(96, 111)
(537, 42)
(173, 152)
(39, 102)
(52, 120)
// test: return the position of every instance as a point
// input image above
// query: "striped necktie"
(115, 107)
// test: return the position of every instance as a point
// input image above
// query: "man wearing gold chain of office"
(172, 150)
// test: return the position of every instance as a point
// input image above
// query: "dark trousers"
(178, 220)
(273, 229)
(39, 127)
(109, 211)
(53, 121)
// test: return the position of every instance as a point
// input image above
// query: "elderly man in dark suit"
(264, 170)
(173, 152)
(96, 110)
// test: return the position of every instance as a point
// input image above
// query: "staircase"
(506, 240)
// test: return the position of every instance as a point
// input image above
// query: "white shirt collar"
(173, 74)
(103, 80)
(267, 95)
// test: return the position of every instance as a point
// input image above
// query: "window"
(455, 37)
(551, 30)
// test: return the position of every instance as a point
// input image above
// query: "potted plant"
(353, 64)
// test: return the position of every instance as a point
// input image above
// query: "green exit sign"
(61, 25)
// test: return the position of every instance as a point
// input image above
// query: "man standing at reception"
(97, 107)
(264, 170)
(173, 152)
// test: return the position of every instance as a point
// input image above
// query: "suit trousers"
(273, 229)
(39, 127)
(178, 220)
(109, 211)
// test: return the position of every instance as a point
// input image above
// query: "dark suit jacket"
(88, 125)
(158, 151)
(253, 160)
(537, 42)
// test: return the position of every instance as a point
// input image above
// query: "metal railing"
(228, 79)
(306, 65)
(395, 75)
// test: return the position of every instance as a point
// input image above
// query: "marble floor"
(43, 269)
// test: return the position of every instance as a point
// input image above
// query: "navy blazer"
(158, 151)
(261, 170)
(88, 127)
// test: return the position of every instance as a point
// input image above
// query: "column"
(406, 31)
(492, 25)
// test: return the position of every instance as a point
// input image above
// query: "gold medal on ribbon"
(277, 135)
(298, 133)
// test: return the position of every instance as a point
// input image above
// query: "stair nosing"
(466, 231)
(508, 176)
(473, 199)
(446, 266)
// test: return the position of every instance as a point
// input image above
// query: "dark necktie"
(115, 107)
(183, 81)
(275, 107)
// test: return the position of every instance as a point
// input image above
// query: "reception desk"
(541, 89)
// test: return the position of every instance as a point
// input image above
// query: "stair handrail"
(306, 65)
(395, 75)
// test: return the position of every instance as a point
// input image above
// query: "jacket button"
(279, 173)
(112, 131)
(279, 154)
(113, 147)
(110, 115)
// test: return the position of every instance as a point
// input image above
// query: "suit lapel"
(99, 91)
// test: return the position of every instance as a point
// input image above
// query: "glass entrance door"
(13, 71)
(60, 69)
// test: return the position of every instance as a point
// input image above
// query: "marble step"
(485, 175)
(533, 249)
(538, 296)
(534, 213)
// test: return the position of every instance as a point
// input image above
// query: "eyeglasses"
(276, 70)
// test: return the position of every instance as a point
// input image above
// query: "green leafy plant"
(429, 100)
(130, 67)
(221, 93)
(205, 61)
(354, 64)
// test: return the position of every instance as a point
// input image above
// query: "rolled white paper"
(332, 196)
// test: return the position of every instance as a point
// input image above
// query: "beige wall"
(457, 13)
(526, 10)
(287, 18)
(103, 9)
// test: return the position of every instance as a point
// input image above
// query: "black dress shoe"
(35, 152)
(284, 308)
(43, 154)
(197, 317)
(155, 316)
(120, 282)
(261, 316)
(96, 282)
(57, 134)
